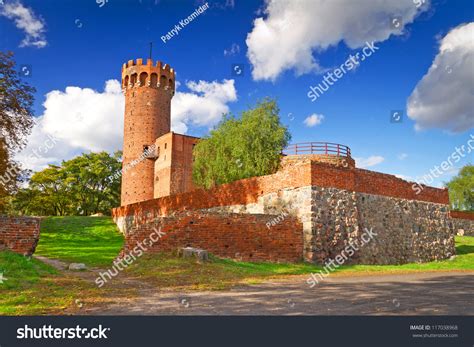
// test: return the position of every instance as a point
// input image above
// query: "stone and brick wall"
(239, 236)
(333, 204)
(19, 234)
(463, 222)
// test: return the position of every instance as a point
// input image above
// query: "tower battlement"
(136, 73)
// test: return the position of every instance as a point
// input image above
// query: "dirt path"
(428, 293)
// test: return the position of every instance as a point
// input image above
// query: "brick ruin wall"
(229, 235)
(333, 206)
(19, 234)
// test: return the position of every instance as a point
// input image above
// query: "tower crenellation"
(137, 73)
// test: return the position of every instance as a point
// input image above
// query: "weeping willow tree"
(461, 189)
(241, 147)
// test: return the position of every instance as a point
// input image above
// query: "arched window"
(154, 79)
(163, 81)
(171, 84)
(125, 82)
(133, 79)
(143, 78)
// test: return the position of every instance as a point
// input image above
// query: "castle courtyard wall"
(333, 205)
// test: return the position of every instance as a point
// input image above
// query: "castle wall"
(19, 234)
(333, 204)
(463, 223)
(239, 236)
(173, 166)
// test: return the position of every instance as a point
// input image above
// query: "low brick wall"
(463, 222)
(229, 235)
(19, 234)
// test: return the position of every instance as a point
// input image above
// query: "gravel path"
(431, 293)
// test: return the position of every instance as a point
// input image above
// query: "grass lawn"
(94, 241)
(32, 287)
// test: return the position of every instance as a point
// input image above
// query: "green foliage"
(241, 148)
(94, 241)
(16, 121)
(84, 185)
(461, 189)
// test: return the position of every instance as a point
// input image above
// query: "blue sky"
(288, 49)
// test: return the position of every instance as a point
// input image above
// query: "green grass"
(94, 241)
(29, 286)
(33, 287)
(166, 270)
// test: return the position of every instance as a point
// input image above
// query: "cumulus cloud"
(203, 105)
(313, 120)
(292, 30)
(26, 20)
(369, 162)
(75, 120)
(444, 97)
(79, 120)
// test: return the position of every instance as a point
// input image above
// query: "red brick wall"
(19, 234)
(294, 174)
(236, 193)
(239, 236)
(371, 182)
(462, 215)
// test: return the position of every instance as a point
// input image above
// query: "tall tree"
(84, 185)
(16, 101)
(16, 121)
(241, 147)
(461, 189)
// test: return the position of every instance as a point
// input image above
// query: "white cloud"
(402, 156)
(292, 30)
(78, 120)
(313, 120)
(26, 20)
(370, 161)
(203, 106)
(443, 98)
(233, 50)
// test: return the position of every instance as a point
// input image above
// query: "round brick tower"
(148, 91)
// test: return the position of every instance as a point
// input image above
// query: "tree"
(16, 121)
(83, 185)
(241, 148)
(461, 189)
(16, 101)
